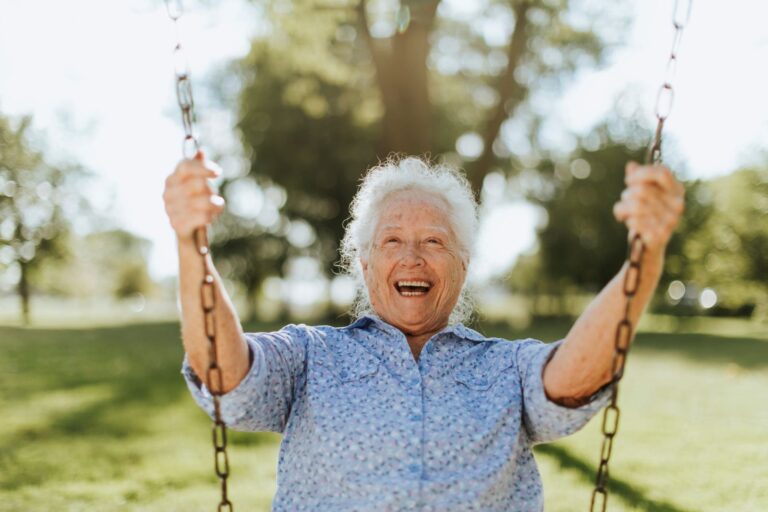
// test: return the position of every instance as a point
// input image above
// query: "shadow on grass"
(138, 365)
(618, 488)
(252, 439)
(748, 353)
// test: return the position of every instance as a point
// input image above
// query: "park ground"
(99, 419)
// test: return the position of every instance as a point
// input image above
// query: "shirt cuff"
(547, 419)
(596, 400)
(233, 404)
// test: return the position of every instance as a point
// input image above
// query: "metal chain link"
(681, 13)
(190, 148)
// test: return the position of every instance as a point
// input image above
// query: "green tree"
(109, 263)
(582, 246)
(729, 252)
(36, 200)
(581, 243)
(335, 85)
(119, 259)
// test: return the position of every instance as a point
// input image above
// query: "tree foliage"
(36, 200)
(729, 250)
(334, 86)
(111, 263)
(721, 242)
(582, 242)
(115, 263)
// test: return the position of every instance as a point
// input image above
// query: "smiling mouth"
(412, 288)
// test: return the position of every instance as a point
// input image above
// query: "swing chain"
(190, 148)
(623, 338)
(681, 13)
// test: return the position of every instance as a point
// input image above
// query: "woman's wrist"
(653, 262)
(186, 243)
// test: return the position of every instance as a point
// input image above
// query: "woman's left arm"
(651, 205)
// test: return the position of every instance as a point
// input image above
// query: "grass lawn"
(99, 419)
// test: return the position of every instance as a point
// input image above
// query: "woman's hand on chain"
(190, 199)
(651, 204)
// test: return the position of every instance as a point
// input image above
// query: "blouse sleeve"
(544, 419)
(263, 399)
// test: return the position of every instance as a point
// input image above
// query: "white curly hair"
(400, 174)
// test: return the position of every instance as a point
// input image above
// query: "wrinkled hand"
(651, 205)
(190, 200)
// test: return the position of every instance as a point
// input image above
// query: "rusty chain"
(681, 13)
(190, 148)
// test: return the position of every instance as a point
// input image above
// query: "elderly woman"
(406, 408)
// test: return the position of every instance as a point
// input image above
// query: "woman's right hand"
(190, 201)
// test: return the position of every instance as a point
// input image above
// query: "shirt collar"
(462, 331)
(459, 330)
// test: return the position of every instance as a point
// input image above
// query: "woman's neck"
(417, 341)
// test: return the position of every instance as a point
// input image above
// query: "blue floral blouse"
(366, 427)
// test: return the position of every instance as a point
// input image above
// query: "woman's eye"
(433, 241)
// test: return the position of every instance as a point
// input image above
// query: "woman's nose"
(411, 256)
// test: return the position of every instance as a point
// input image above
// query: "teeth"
(423, 284)
(415, 288)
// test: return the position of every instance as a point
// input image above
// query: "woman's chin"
(414, 319)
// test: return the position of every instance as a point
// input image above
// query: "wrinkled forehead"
(405, 209)
(400, 226)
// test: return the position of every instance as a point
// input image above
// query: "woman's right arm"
(190, 203)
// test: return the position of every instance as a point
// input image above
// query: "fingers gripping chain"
(214, 377)
(681, 12)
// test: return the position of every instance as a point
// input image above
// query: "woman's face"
(414, 269)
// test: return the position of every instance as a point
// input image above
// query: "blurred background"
(541, 102)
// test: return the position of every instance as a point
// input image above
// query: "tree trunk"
(23, 289)
(401, 73)
(511, 94)
(252, 306)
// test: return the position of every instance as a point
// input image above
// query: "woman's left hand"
(651, 205)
